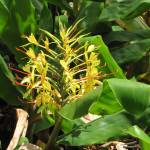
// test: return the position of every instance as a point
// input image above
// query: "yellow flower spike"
(63, 70)
(41, 63)
(64, 64)
(42, 58)
(31, 53)
(39, 67)
(68, 51)
(90, 48)
(46, 85)
(26, 68)
(32, 75)
(63, 34)
(32, 39)
(46, 42)
(38, 100)
(93, 59)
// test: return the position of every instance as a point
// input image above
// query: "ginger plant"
(59, 70)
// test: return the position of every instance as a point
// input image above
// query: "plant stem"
(52, 139)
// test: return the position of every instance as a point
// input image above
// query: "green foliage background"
(123, 101)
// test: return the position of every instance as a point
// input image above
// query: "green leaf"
(122, 94)
(80, 107)
(129, 46)
(132, 52)
(144, 145)
(136, 24)
(8, 91)
(126, 36)
(45, 121)
(98, 131)
(134, 96)
(144, 120)
(62, 4)
(106, 56)
(91, 11)
(135, 131)
(3, 15)
(63, 19)
(68, 125)
(124, 9)
(38, 5)
(5, 69)
(25, 12)
(23, 140)
(46, 20)
(21, 21)
(42, 124)
(4, 3)
(107, 102)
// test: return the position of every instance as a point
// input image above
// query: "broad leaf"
(4, 12)
(5, 70)
(62, 4)
(98, 131)
(68, 125)
(8, 91)
(46, 20)
(91, 11)
(80, 107)
(107, 102)
(42, 124)
(133, 96)
(38, 5)
(124, 9)
(135, 131)
(132, 52)
(128, 46)
(126, 36)
(144, 120)
(21, 21)
(24, 12)
(144, 145)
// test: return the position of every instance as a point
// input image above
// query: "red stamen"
(20, 50)
(16, 70)
(18, 83)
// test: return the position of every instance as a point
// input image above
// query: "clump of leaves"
(60, 69)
